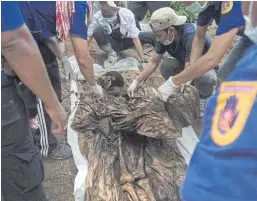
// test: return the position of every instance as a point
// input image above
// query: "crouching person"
(115, 30)
(175, 36)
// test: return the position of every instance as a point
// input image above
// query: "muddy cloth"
(131, 143)
(21, 167)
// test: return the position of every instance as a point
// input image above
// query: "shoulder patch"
(226, 7)
(234, 104)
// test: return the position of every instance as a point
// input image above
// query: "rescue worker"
(175, 36)
(224, 164)
(45, 21)
(140, 8)
(21, 164)
(114, 30)
(228, 16)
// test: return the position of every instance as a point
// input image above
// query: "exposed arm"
(198, 43)
(150, 67)
(138, 47)
(56, 47)
(84, 60)
(208, 61)
(187, 64)
(22, 53)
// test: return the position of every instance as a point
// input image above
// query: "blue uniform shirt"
(227, 15)
(11, 19)
(40, 17)
(224, 164)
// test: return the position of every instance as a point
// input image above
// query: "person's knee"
(100, 36)
(166, 68)
(206, 84)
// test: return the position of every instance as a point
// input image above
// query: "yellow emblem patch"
(234, 104)
(226, 7)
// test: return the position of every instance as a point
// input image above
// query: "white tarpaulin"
(186, 143)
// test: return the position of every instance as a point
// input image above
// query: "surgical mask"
(110, 19)
(250, 31)
(196, 8)
(168, 41)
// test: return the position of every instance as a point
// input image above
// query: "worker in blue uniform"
(40, 17)
(230, 21)
(224, 164)
(21, 164)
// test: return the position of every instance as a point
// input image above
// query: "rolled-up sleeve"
(93, 24)
(133, 31)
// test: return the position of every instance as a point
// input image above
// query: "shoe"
(62, 151)
(110, 61)
(202, 106)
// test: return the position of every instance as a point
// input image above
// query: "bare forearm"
(198, 68)
(197, 48)
(88, 70)
(56, 47)
(138, 47)
(208, 61)
(148, 70)
(198, 43)
(84, 60)
(24, 57)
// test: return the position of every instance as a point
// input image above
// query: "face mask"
(250, 31)
(196, 8)
(168, 41)
(110, 19)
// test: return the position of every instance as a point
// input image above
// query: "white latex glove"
(167, 89)
(132, 87)
(98, 90)
(187, 83)
(68, 70)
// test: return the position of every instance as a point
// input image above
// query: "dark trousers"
(21, 164)
(46, 140)
(119, 43)
(139, 8)
(205, 83)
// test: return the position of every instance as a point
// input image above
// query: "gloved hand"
(167, 89)
(132, 87)
(187, 83)
(68, 70)
(98, 90)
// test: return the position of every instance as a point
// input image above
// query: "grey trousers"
(205, 84)
(234, 56)
(117, 42)
(139, 8)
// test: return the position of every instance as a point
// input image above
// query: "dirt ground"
(60, 175)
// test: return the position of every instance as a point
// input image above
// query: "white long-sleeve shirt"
(127, 24)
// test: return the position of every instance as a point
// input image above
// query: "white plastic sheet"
(129, 63)
(186, 143)
(80, 161)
